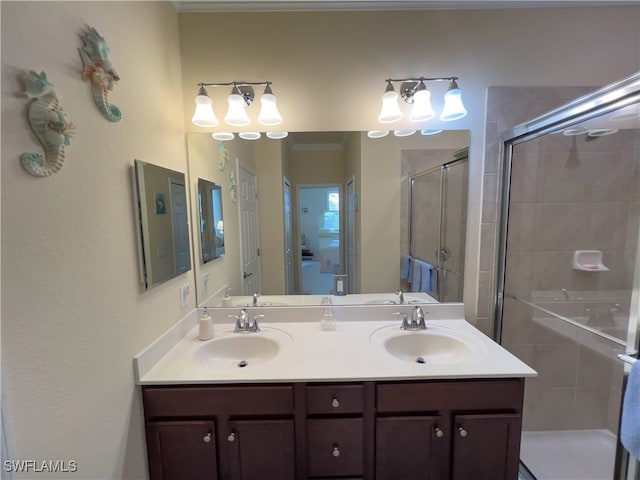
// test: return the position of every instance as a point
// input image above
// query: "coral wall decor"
(49, 122)
(98, 70)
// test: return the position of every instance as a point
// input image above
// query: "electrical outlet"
(205, 281)
(185, 290)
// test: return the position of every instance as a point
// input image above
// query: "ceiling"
(329, 5)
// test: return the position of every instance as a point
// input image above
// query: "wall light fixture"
(241, 96)
(414, 91)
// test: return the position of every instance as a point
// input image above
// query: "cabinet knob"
(336, 451)
(206, 438)
(335, 403)
(231, 437)
(439, 432)
(462, 432)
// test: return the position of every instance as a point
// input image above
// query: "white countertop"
(351, 353)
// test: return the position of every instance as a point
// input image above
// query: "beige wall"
(328, 68)
(73, 310)
(270, 200)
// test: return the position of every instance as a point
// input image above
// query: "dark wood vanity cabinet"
(431, 430)
(220, 432)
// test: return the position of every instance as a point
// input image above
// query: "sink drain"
(420, 360)
(243, 363)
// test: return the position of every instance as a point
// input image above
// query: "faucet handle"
(254, 327)
(405, 322)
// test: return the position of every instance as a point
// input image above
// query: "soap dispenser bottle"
(226, 300)
(205, 326)
(328, 321)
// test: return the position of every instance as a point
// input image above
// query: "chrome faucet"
(255, 299)
(243, 325)
(400, 296)
(417, 320)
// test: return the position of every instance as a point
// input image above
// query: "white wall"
(328, 68)
(73, 311)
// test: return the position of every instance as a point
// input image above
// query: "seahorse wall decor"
(97, 68)
(49, 122)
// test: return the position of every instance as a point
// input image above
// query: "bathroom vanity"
(353, 403)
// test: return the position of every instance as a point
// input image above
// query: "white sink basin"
(239, 350)
(434, 346)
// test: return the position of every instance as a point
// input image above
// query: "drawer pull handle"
(335, 403)
(336, 451)
(462, 432)
(231, 437)
(207, 438)
(439, 432)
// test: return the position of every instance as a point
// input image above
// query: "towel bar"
(629, 358)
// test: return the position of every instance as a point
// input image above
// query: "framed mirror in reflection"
(161, 200)
(211, 220)
(333, 203)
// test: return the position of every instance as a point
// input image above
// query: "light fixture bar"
(422, 79)
(233, 84)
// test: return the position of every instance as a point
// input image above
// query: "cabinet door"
(179, 450)
(260, 449)
(411, 448)
(486, 447)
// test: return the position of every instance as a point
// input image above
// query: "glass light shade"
(377, 133)
(223, 136)
(277, 135)
(430, 132)
(403, 133)
(390, 111)
(422, 109)
(204, 116)
(269, 114)
(249, 135)
(453, 108)
(236, 115)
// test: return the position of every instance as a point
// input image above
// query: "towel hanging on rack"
(405, 267)
(630, 424)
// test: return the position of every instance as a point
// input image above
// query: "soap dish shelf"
(588, 261)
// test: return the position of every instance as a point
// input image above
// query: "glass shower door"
(455, 178)
(568, 300)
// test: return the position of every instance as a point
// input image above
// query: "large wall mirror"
(332, 203)
(163, 220)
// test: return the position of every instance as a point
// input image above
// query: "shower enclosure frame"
(605, 100)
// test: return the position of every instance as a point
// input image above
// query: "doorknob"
(247, 275)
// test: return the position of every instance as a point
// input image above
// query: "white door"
(180, 224)
(288, 239)
(249, 237)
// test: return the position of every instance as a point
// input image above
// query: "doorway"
(319, 227)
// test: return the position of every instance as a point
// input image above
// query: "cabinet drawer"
(332, 399)
(206, 401)
(451, 395)
(335, 447)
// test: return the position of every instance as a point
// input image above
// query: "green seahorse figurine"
(49, 122)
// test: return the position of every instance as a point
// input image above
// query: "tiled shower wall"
(568, 193)
(506, 107)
